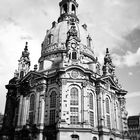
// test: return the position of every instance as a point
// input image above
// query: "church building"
(69, 96)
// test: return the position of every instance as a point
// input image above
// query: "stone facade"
(70, 96)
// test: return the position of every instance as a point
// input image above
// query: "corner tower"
(24, 63)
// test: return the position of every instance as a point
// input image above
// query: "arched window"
(50, 38)
(94, 138)
(74, 106)
(116, 116)
(65, 8)
(73, 9)
(21, 74)
(89, 41)
(91, 101)
(32, 108)
(74, 137)
(41, 65)
(53, 99)
(108, 112)
(74, 55)
(74, 96)
(91, 107)
(17, 112)
(52, 107)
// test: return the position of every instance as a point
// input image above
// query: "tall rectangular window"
(52, 107)
(91, 107)
(32, 109)
(108, 113)
(74, 119)
(74, 106)
(91, 101)
(74, 110)
(52, 117)
(53, 99)
(74, 96)
(91, 114)
(108, 121)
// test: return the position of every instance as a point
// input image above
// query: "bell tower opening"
(65, 8)
(24, 62)
(73, 9)
(68, 9)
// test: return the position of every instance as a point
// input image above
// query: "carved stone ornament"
(74, 74)
(40, 88)
(84, 84)
(32, 82)
(73, 33)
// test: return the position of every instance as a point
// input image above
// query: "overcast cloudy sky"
(113, 24)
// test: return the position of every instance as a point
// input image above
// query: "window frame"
(32, 109)
(107, 111)
(53, 105)
(91, 109)
(74, 104)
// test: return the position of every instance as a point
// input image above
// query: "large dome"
(57, 36)
(67, 38)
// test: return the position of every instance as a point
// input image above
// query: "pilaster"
(20, 111)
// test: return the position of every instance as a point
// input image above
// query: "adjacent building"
(1, 120)
(70, 96)
(134, 127)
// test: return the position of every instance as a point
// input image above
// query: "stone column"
(41, 121)
(42, 111)
(20, 111)
(82, 103)
(23, 114)
(100, 107)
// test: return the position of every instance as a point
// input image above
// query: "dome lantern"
(68, 9)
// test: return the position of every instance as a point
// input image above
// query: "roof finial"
(35, 67)
(25, 53)
(107, 50)
(26, 46)
(68, 10)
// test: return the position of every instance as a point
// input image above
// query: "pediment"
(31, 77)
(74, 74)
(112, 81)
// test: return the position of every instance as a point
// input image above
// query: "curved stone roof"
(58, 37)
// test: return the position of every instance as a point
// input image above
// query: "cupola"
(24, 62)
(108, 67)
(68, 9)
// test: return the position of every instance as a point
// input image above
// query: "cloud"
(130, 59)
(133, 94)
(133, 39)
(130, 49)
(130, 73)
(110, 22)
(12, 41)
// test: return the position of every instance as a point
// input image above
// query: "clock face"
(32, 82)
(73, 45)
(74, 74)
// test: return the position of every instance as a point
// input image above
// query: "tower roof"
(25, 53)
(68, 9)
(65, 1)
